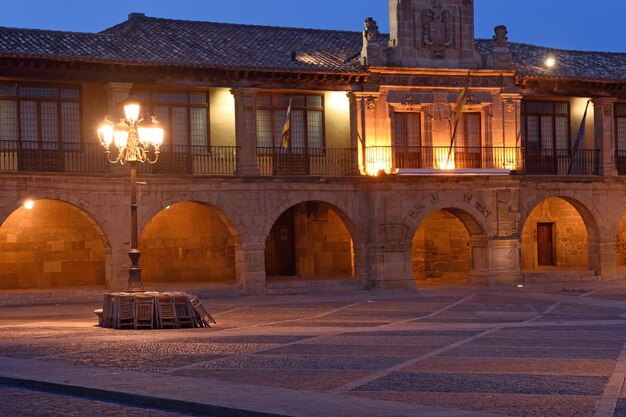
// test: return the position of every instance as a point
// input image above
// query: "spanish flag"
(286, 128)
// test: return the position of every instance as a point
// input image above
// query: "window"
(545, 126)
(307, 122)
(468, 142)
(407, 140)
(620, 126)
(407, 131)
(184, 116)
(45, 117)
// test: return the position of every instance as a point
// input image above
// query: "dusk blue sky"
(567, 24)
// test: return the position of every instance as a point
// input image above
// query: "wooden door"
(280, 250)
(545, 244)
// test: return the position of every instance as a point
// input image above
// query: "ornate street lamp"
(132, 140)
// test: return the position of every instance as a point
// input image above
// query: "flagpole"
(460, 105)
(579, 137)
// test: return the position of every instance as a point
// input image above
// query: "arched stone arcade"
(559, 234)
(310, 240)
(189, 242)
(52, 244)
(448, 247)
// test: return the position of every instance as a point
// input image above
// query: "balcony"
(620, 162)
(517, 160)
(90, 158)
(393, 158)
(561, 162)
(303, 161)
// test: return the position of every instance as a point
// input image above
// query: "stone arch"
(448, 244)
(191, 242)
(83, 206)
(343, 250)
(547, 208)
(54, 244)
(236, 227)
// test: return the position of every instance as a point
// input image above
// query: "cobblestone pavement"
(534, 351)
(24, 402)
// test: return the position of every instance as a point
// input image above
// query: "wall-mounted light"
(550, 62)
(29, 204)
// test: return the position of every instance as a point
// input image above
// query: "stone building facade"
(414, 157)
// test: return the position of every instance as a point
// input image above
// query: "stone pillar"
(116, 94)
(250, 266)
(354, 134)
(608, 261)
(505, 261)
(393, 269)
(480, 260)
(604, 135)
(116, 268)
(245, 130)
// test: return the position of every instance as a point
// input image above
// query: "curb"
(159, 403)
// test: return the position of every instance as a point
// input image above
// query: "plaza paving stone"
(488, 383)
(540, 351)
(23, 402)
(503, 404)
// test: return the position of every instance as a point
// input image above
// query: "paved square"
(443, 351)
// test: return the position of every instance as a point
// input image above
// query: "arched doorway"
(556, 237)
(309, 240)
(51, 244)
(442, 247)
(188, 242)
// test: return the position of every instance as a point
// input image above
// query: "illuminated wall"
(337, 119)
(569, 233)
(52, 245)
(441, 248)
(620, 246)
(187, 243)
(577, 109)
(222, 119)
(321, 244)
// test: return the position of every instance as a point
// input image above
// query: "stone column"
(116, 94)
(604, 135)
(608, 261)
(393, 269)
(354, 134)
(480, 260)
(250, 265)
(116, 268)
(245, 130)
(505, 261)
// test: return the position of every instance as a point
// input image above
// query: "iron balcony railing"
(620, 162)
(393, 158)
(561, 161)
(194, 160)
(517, 160)
(222, 160)
(90, 158)
(303, 161)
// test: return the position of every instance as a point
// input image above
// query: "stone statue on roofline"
(500, 56)
(372, 53)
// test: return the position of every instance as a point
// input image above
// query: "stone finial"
(372, 51)
(500, 56)
(371, 33)
(500, 39)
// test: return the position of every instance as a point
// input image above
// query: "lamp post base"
(135, 283)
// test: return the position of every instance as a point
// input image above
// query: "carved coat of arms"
(436, 35)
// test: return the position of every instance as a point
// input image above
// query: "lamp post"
(132, 139)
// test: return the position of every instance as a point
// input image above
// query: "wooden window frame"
(553, 115)
(283, 108)
(17, 98)
(148, 108)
